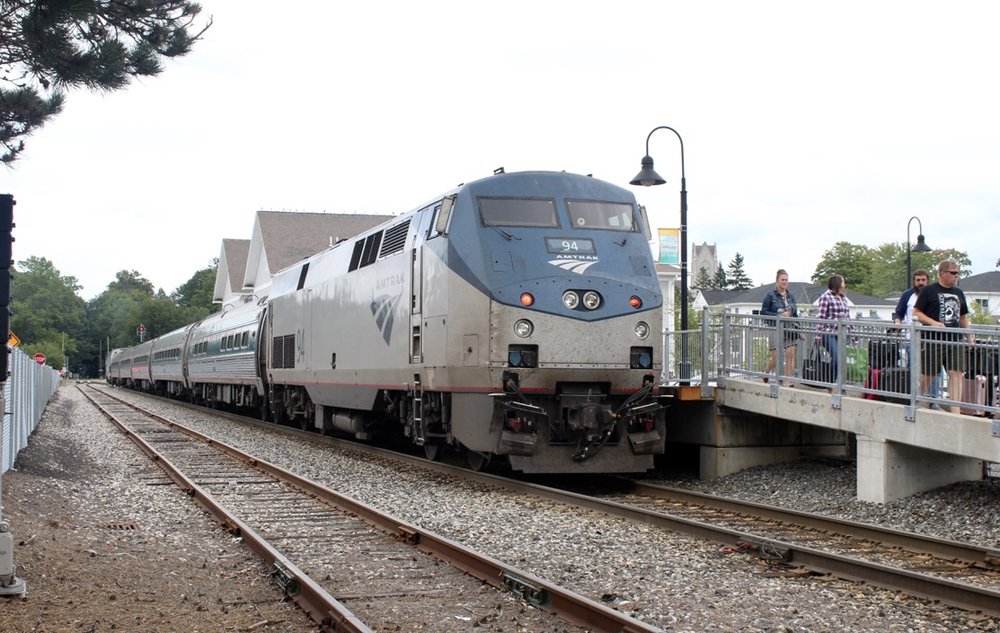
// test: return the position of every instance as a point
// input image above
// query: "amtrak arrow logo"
(573, 265)
(383, 309)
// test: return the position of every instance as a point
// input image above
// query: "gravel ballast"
(671, 581)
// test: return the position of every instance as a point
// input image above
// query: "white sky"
(804, 124)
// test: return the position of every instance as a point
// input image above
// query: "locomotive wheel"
(477, 461)
(434, 452)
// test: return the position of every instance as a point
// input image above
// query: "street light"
(647, 177)
(920, 247)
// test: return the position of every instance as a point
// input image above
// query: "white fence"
(25, 395)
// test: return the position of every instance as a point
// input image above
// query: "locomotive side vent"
(283, 352)
(395, 239)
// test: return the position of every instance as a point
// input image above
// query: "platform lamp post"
(919, 247)
(647, 177)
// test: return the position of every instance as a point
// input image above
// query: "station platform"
(745, 424)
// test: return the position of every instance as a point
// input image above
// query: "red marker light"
(527, 299)
(635, 302)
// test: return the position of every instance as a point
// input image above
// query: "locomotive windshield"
(609, 216)
(525, 212)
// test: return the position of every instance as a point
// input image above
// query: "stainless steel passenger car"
(222, 362)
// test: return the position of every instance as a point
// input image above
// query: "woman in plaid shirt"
(833, 306)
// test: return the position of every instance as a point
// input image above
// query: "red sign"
(39, 358)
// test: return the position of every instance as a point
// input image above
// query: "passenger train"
(516, 317)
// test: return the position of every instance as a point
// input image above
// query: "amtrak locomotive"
(515, 317)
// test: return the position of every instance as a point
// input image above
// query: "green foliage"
(979, 315)
(720, 282)
(702, 281)
(737, 277)
(854, 262)
(881, 271)
(47, 315)
(51, 45)
(197, 293)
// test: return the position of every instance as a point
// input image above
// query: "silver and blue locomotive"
(517, 316)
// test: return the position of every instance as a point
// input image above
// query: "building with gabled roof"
(232, 268)
(984, 289)
(279, 240)
(806, 298)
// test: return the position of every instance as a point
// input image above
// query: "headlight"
(571, 299)
(523, 328)
(591, 300)
(641, 329)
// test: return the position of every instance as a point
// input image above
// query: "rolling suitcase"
(897, 381)
(974, 392)
(872, 382)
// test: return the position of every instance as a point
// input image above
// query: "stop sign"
(39, 358)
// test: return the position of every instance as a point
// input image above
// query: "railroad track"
(327, 550)
(957, 574)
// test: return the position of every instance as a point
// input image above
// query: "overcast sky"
(804, 124)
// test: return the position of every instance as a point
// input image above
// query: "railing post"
(706, 389)
(726, 351)
(913, 361)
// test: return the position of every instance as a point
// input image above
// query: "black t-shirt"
(946, 305)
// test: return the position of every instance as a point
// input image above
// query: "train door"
(417, 283)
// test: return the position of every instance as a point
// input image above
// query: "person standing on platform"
(833, 306)
(943, 305)
(904, 315)
(780, 301)
(904, 309)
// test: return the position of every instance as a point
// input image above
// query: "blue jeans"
(830, 343)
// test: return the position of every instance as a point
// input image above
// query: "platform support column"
(888, 471)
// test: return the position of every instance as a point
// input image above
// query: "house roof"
(281, 239)
(232, 266)
(289, 238)
(236, 253)
(983, 282)
(805, 294)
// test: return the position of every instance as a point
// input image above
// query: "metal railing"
(863, 358)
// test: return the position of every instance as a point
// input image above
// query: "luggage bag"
(974, 392)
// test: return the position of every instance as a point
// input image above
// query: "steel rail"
(954, 593)
(311, 598)
(569, 605)
(953, 550)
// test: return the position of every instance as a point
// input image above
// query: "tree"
(52, 45)
(702, 281)
(854, 262)
(47, 315)
(199, 291)
(131, 282)
(881, 272)
(738, 279)
(720, 282)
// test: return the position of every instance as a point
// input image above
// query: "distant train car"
(516, 317)
(167, 368)
(115, 366)
(222, 363)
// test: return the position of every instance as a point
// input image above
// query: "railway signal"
(6, 261)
